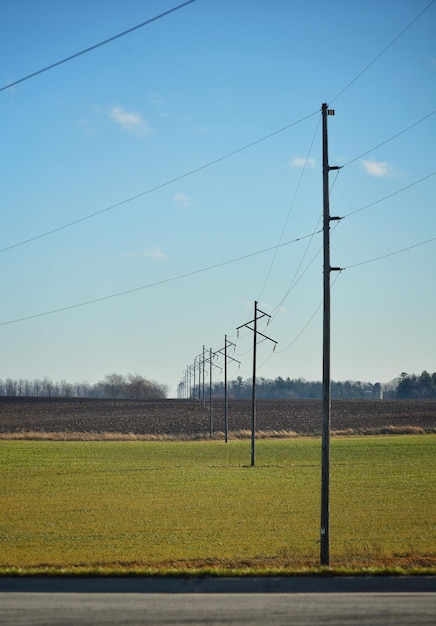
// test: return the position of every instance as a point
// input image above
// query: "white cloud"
(129, 120)
(155, 253)
(182, 199)
(379, 169)
(269, 307)
(310, 163)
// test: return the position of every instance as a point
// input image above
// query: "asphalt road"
(216, 602)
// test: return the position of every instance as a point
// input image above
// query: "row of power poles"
(193, 386)
(194, 375)
(189, 383)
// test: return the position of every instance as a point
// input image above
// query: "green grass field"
(164, 505)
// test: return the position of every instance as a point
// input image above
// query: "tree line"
(404, 387)
(136, 387)
(287, 388)
(114, 386)
(413, 386)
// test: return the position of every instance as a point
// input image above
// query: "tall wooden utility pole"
(326, 383)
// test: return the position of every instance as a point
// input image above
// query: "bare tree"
(66, 389)
(11, 387)
(114, 385)
(47, 387)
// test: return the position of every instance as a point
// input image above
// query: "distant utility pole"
(197, 364)
(326, 382)
(194, 367)
(210, 394)
(189, 381)
(227, 344)
(203, 362)
(258, 314)
(186, 383)
(211, 365)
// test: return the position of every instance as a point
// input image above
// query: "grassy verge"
(37, 435)
(171, 508)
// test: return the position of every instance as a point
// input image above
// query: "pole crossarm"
(254, 321)
(222, 352)
(227, 344)
(209, 360)
(257, 318)
(259, 333)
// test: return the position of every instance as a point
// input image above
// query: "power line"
(204, 166)
(385, 256)
(379, 258)
(214, 162)
(307, 323)
(290, 208)
(294, 282)
(209, 164)
(302, 330)
(95, 46)
(390, 139)
(161, 186)
(310, 319)
(395, 193)
(385, 49)
(160, 282)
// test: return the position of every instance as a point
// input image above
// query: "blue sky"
(134, 133)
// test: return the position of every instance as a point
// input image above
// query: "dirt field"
(188, 418)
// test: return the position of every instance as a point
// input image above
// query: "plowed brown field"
(189, 418)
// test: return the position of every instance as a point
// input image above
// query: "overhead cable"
(290, 209)
(97, 45)
(161, 186)
(296, 278)
(390, 139)
(295, 339)
(385, 256)
(385, 49)
(379, 258)
(155, 284)
(394, 193)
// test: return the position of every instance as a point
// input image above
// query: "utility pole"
(227, 343)
(189, 381)
(204, 361)
(258, 314)
(186, 383)
(195, 381)
(211, 365)
(326, 381)
(197, 363)
(210, 395)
